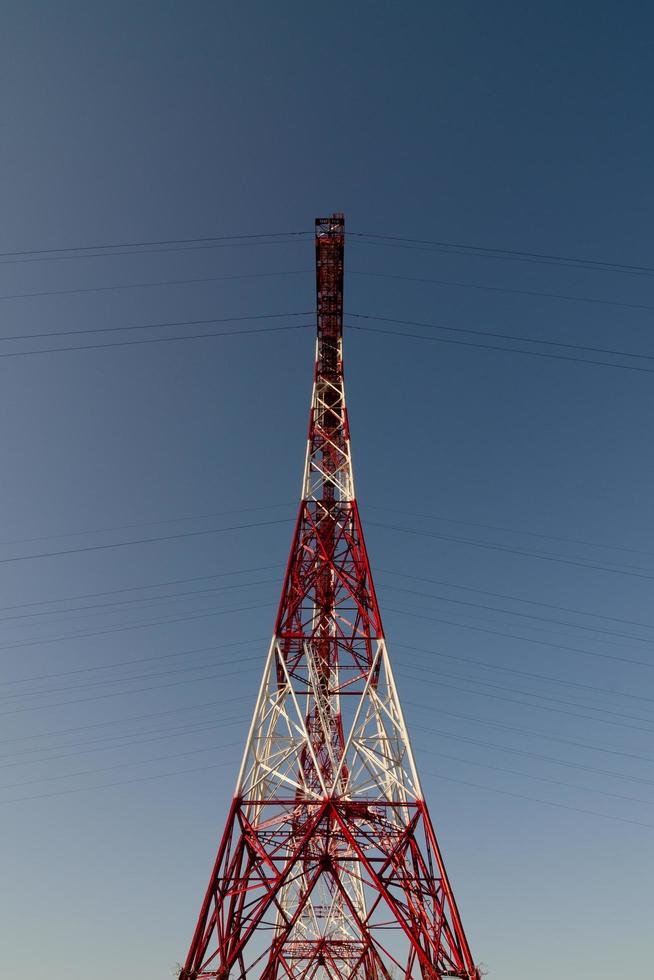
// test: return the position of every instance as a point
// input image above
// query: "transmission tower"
(328, 866)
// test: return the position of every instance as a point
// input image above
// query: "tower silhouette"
(328, 866)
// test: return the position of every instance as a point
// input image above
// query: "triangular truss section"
(328, 867)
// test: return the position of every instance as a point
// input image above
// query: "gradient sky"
(507, 125)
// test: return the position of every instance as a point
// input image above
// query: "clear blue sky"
(504, 125)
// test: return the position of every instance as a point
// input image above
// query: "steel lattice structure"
(328, 866)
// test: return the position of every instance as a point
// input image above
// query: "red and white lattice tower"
(328, 866)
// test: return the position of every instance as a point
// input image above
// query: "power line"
(540, 555)
(524, 673)
(522, 615)
(117, 742)
(533, 799)
(108, 724)
(40, 641)
(524, 639)
(126, 544)
(542, 779)
(159, 282)
(136, 588)
(155, 340)
(513, 598)
(149, 243)
(153, 326)
(513, 530)
(109, 681)
(138, 660)
(550, 760)
(117, 765)
(526, 704)
(129, 527)
(504, 350)
(395, 241)
(501, 336)
(531, 732)
(121, 782)
(146, 248)
(170, 597)
(114, 694)
(502, 289)
(217, 765)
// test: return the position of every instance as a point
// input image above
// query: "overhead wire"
(137, 541)
(513, 598)
(504, 350)
(501, 289)
(513, 530)
(114, 287)
(541, 707)
(502, 336)
(151, 247)
(521, 615)
(155, 340)
(565, 682)
(530, 732)
(154, 326)
(395, 241)
(524, 639)
(629, 570)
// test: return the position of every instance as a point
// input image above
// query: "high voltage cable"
(153, 326)
(40, 641)
(108, 681)
(123, 765)
(118, 742)
(524, 639)
(503, 336)
(395, 241)
(146, 602)
(108, 724)
(531, 732)
(533, 799)
(501, 289)
(540, 707)
(545, 556)
(293, 504)
(427, 670)
(160, 282)
(149, 248)
(129, 527)
(90, 745)
(115, 694)
(137, 588)
(149, 243)
(505, 350)
(541, 556)
(221, 747)
(155, 340)
(164, 734)
(521, 615)
(523, 673)
(550, 760)
(512, 530)
(217, 765)
(527, 775)
(457, 715)
(138, 660)
(143, 599)
(121, 782)
(126, 544)
(513, 598)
